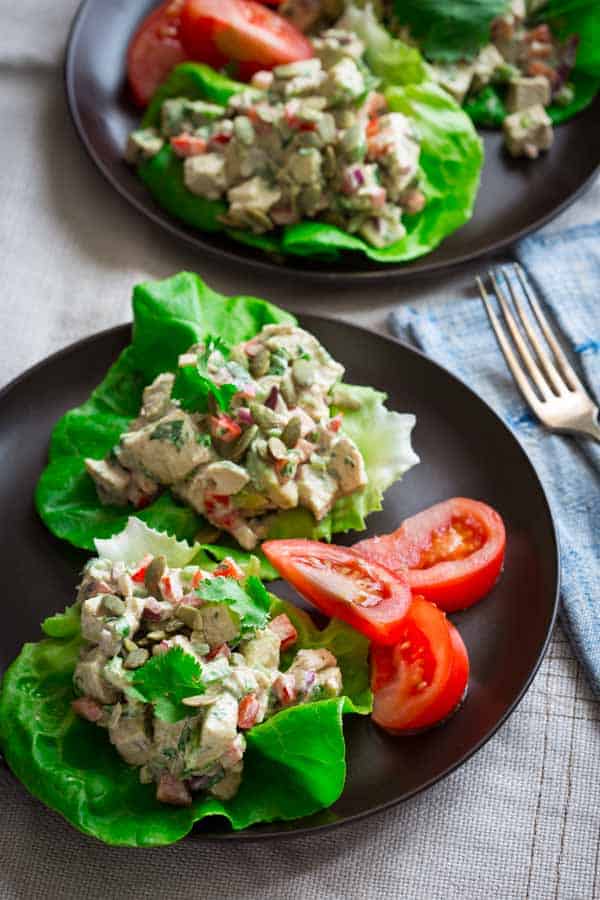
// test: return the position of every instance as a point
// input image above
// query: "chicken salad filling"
(310, 140)
(178, 664)
(239, 434)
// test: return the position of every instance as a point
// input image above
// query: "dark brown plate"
(515, 196)
(465, 449)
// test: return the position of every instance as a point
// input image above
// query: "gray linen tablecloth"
(519, 820)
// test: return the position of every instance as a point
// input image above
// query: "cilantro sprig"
(193, 384)
(165, 681)
(248, 599)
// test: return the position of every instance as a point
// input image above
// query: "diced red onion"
(271, 401)
(245, 416)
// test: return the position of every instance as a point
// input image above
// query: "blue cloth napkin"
(564, 268)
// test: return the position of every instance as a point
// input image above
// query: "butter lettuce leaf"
(294, 765)
(170, 316)
(449, 30)
(442, 126)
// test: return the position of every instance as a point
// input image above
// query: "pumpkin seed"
(129, 645)
(291, 432)
(143, 642)
(263, 416)
(158, 635)
(288, 391)
(154, 573)
(277, 448)
(199, 700)
(113, 604)
(189, 615)
(173, 625)
(303, 372)
(208, 535)
(259, 363)
(240, 446)
(136, 658)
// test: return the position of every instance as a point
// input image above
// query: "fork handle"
(589, 425)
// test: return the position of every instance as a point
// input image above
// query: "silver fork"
(560, 402)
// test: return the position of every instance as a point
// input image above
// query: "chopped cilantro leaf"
(165, 680)
(193, 384)
(247, 599)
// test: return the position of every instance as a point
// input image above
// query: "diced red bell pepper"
(284, 629)
(187, 145)
(224, 428)
(228, 568)
(140, 572)
(248, 710)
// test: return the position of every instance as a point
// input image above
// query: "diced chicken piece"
(225, 477)
(168, 738)
(173, 791)
(244, 535)
(299, 78)
(89, 677)
(262, 650)
(205, 175)
(130, 737)
(345, 82)
(228, 786)
(141, 489)
(167, 449)
(88, 709)
(115, 675)
(241, 681)
(397, 149)
(526, 92)
(112, 481)
(156, 399)
(313, 660)
(92, 619)
(385, 229)
(250, 201)
(347, 465)
(528, 132)
(217, 732)
(218, 624)
(157, 610)
(335, 44)
(304, 166)
(316, 490)
(455, 78)
(192, 490)
(283, 495)
(142, 145)
(488, 60)
(234, 753)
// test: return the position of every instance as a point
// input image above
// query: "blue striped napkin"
(564, 268)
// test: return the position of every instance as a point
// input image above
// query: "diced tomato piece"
(228, 568)
(140, 572)
(285, 689)
(285, 630)
(154, 50)
(451, 553)
(336, 423)
(248, 709)
(186, 145)
(421, 680)
(224, 428)
(341, 584)
(372, 127)
(197, 578)
(220, 650)
(171, 588)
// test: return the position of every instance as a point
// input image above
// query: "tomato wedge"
(218, 31)
(422, 679)
(451, 553)
(154, 50)
(339, 583)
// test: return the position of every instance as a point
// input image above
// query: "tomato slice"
(244, 31)
(451, 553)
(422, 679)
(339, 583)
(154, 50)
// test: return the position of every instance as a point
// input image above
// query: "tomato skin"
(154, 50)
(240, 30)
(422, 680)
(343, 585)
(450, 579)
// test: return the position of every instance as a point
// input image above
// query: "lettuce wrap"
(170, 316)
(450, 162)
(294, 763)
(451, 31)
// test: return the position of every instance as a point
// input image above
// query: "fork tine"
(542, 355)
(517, 372)
(563, 363)
(526, 356)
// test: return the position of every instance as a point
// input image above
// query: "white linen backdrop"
(519, 820)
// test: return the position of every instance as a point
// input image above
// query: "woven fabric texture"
(519, 821)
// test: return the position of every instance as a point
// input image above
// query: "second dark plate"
(465, 449)
(515, 196)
